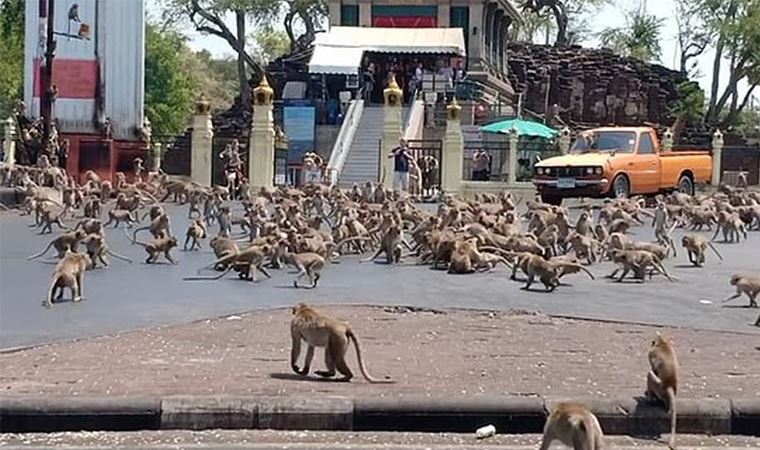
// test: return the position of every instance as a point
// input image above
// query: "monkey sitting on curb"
(574, 425)
(320, 330)
(745, 284)
(68, 273)
(662, 379)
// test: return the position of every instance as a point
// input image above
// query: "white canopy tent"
(340, 50)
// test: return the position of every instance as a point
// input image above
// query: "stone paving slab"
(428, 352)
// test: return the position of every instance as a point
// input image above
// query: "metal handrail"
(415, 120)
(345, 138)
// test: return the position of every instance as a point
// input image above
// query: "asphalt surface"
(318, 440)
(128, 296)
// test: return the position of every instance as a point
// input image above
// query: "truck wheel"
(620, 187)
(685, 185)
(555, 200)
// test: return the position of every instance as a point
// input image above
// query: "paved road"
(129, 296)
(318, 440)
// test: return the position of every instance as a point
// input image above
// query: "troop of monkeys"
(310, 227)
(569, 422)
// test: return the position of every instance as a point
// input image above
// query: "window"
(646, 146)
(349, 15)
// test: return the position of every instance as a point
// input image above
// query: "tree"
(691, 104)
(639, 38)
(270, 44)
(216, 78)
(565, 17)
(169, 85)
(12, 51)
(693, 36)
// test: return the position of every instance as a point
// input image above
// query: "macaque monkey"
(251, 258)
(584, 246)
(308, 264)
(68, 273)
(195, 233)
(662, 379)
(636, 261)
(90, 226)
(745, 284)
(97, 249)
(120, 215)
(319, 330)
(224, 217)
(575, 426)
(461, 260)
(390, 245)
(601, 232)
(222, 247)
(62, 244)
(584, 224)
(48, 218)
(695, 245)
(731, 225)
(92, 208)
(160, 227)
(549, 272)
(155, 247)
(154, 212)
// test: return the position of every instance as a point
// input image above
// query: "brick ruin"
(592, 87)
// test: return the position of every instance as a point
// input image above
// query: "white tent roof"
(340, 49)
(337, 60)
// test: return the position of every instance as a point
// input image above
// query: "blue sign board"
(299, 123)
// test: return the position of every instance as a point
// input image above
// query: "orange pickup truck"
(620, 162)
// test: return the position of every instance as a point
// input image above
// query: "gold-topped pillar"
(393, 97)
(453, 150)
(201, 142)
(261, 142)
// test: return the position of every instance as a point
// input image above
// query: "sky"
(610, 16)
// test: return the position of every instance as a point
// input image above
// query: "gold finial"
(393, 94)
(453, 109)
(263, 94)
(202, 105)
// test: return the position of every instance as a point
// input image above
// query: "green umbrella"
(523, 127)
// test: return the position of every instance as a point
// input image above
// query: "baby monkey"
(320, 330)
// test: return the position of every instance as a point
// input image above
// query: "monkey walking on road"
(320, 330)
(68, 273)
(745, 284)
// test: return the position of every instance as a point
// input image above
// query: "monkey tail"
(134, 234)
(715, 250)
(49, 301)
(118, 256)
(40, 253)
(672, 404)
(661, 267)
(587, 271)
(363, 369)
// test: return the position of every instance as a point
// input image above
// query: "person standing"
(481, 164)
(401, 160)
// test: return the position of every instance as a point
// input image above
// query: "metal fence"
(427, 154)
(741, 159)
(175, 152)
(496, 166)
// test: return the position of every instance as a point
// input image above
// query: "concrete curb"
(628, 416)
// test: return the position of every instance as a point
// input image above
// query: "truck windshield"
(605, 141)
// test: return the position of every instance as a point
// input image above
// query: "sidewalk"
(451, 352)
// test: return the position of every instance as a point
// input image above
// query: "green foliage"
(12, 51)
(169, 84)
(639, 38)
(270, 44)
(691, 106)
(748, 123)
(540, 20)
(216, 78)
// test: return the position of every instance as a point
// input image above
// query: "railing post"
(261, 142)
(155, 156)
(717, 153)
(564, 140)
(452, 158)
(201, 143)
(393, 97)
(10, 141)
(514, 140)
(667, 140)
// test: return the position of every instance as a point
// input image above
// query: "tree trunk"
(712, 110)
(245, 94)
(560, 15)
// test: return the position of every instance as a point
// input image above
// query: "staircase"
(363, 158)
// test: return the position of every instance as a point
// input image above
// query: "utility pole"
(47, 97)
